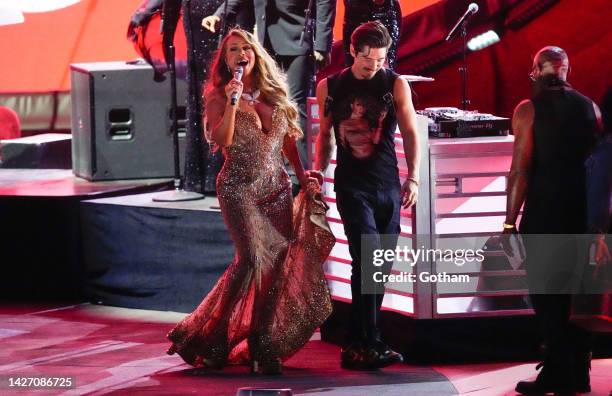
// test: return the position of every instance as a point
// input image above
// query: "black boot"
(581, 340)
(556, 377)
(582, 364)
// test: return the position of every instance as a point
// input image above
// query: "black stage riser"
(152, 258)
(41, 247)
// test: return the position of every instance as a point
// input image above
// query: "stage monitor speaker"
(121, 122)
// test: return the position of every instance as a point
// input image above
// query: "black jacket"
(243, 16)
(280, 24)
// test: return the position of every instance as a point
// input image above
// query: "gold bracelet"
(508, 226)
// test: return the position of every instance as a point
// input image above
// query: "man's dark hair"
(372, 34)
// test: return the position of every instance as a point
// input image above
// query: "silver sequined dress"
(273, 295)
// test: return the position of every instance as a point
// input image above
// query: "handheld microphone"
(238, 76)
(471, 10)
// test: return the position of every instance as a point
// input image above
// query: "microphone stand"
(170, 15)
(463, 70)
(461, 26)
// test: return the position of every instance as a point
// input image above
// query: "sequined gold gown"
(273, 295)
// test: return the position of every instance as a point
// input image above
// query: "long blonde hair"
(267, 77)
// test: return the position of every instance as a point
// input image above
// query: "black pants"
(374, 213)
(553, 314)
(300, 70)
(201, 164)
(554, 270)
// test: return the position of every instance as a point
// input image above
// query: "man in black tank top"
(554, 134)
(363, 105)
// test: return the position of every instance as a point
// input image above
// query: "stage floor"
(63, 183)
(146, 201)
(119, 351)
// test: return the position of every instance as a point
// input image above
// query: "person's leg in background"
(201, 164)
(300, 72)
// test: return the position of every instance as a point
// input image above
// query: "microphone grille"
(473, 8)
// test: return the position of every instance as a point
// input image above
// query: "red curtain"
(498, 75)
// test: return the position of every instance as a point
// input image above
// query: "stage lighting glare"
(483, 40)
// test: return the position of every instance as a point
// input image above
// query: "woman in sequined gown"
(273, 295)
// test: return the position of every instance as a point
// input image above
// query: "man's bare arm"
(325, 139)
(406, 120)
(522, 157)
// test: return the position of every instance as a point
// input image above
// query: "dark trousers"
(373, 213)
(567, 346)
(554, 271)
(300, 71)
(201, 164)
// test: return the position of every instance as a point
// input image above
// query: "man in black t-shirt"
(363, 105)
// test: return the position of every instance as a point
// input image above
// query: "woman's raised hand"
(234, 86)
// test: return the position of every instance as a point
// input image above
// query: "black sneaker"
(387, 356)
(546, 382)
(354, 357)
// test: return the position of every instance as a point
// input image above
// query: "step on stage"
(68, 238)
(41, 249)
(153, 255)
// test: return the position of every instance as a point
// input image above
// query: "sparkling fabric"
(274, 294)
(357, 12)
(201, 163)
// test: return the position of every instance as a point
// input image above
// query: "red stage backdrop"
(498, 74)
(54, 33)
